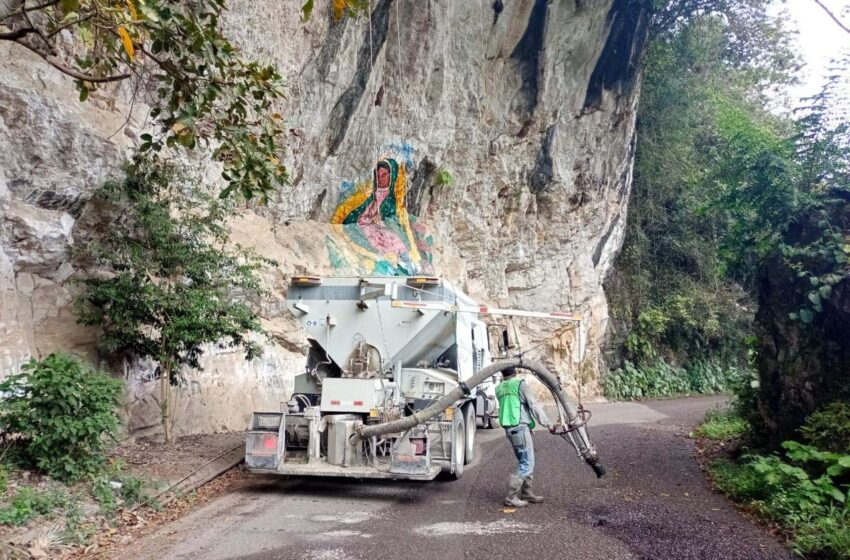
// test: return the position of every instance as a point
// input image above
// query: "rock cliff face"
(527, 105)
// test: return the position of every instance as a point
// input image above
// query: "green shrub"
(60, 410)
(444, 178)
(104, 495)
(133, 491)
(745, 392)
(802, 492)
(829, 428)
(663, 380)
(635, 382)
(722, 425)
(641, 341)
(710, 377)
(28, 503)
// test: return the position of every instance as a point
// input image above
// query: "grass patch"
(66, 510)
(120, 492)
(78, 530)
(722, 425)
(28, 503)
(737, 481)
(826, 536)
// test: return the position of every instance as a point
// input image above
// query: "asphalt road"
(654, 504)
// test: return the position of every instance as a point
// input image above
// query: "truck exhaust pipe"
(572, 423)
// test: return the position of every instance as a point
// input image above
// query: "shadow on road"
(335, 487)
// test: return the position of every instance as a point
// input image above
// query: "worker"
(518, 411)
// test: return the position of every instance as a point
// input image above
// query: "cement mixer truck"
(384, 350)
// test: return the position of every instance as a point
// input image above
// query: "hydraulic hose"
(573, 427)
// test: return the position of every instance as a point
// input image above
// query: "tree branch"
(37, 30)
(41, 6)
(23, 9)
(833, 16)
(16, 34)
(54, 61)
(71, 24)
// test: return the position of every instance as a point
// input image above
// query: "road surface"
(654, 504)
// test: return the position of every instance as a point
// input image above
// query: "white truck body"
(381, 348)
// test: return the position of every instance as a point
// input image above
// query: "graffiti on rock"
(375, 234)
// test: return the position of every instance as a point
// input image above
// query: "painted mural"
(374, 232)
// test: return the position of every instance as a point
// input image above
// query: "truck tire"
(469, 421)
(458, 447)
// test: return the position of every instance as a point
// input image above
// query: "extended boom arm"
(575, 430)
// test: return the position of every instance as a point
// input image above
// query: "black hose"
(539, 370)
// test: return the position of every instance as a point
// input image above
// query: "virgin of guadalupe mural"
(372, 221)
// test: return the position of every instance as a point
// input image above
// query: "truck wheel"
(469, 421)
(458, 447)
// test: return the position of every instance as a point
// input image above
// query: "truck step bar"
(345, 472)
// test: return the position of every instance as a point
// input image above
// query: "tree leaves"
(60, 409)
(691, 245)
(127, 42)
(69, 5)
(171, 288)
(338, 8)
(191, 72)
(132, 7)
(307, 10)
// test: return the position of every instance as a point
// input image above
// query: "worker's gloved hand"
(553, 429)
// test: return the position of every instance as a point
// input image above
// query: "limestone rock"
(514, 132)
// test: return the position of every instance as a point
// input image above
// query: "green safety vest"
(509, 403)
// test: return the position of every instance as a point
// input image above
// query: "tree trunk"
(165, 406)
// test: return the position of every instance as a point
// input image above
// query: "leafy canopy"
(672, 287)
(180, 64)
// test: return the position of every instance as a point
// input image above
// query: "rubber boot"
(527, 494)
(514, 488)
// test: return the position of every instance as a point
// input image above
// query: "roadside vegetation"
(680, 291)
(721, 425)
(57, 420)
(734, 276)
(802, 488)
(161, 279)
(661, 380)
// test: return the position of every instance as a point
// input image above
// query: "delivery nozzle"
(598, 469)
